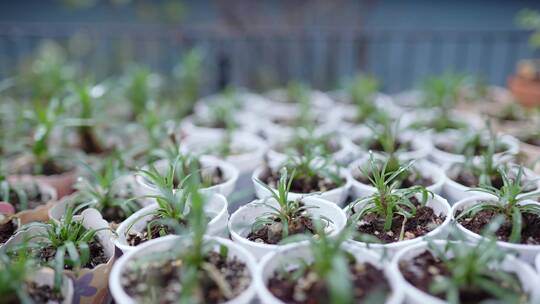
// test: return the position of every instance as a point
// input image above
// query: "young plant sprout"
(221, 114)
(173, 207)
(15, 284)
(313, 173)
(203, 274)
(85, 96)
(291, 217)
(187, 81)
(518, 217)
(362, 91)
(103, 191)
(298, 93)
(333, 276)
(464, 273)
(139, 91)
(22, 195)
(66, 244)
(46, 118)
(441, 94)
(392, 214)
(411, 176)
(306, 141)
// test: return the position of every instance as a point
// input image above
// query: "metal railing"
(266, 57)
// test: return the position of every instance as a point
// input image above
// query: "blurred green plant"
(530, 20)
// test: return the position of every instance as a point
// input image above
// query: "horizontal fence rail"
(266, 57)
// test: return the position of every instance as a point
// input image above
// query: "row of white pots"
(290, 256)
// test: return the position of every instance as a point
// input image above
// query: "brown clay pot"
(527, 92)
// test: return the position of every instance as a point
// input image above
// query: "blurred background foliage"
(261, 44)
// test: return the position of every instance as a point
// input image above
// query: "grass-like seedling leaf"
(470, 268)
(99, 190)
(507, 201)
(389, 201)
(14, 271)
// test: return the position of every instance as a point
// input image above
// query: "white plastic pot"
(343, 155)
(215, 208)
(360, 189)
(318, 100)
(455, 191)
(420, 143)
(524, 272)
(291, 255)
(230, 175)
(444, 158)
(337, 195)
(468, 119)
(538, 264)
(188, 126)
(345, 113)
(242, 220)
(59, 209)
(45, 277)
(169, 243)
(525, 252)
(252, 147)
(439, 205)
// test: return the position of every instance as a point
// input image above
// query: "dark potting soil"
(410, 180)
(273, 233)
(478, 150)
(157, 229)
(367, 282)
(468, 179)
(114, 214)
(89, 142)
(422, 270)
(300, 184)
(400, 145)
(97, 255)
(43, 293)
(422, 223)
(163, 278)
(532, 140)
(7, 230)
(209, 177)
(530, 233)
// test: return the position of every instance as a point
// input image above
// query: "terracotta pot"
(527, 92)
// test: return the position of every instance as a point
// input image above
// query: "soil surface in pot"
(42, 294)
(210, 176)
(7, 230)
(477, 149)
(97, 255)
(273, 233)
(530, 233)
(300, 184)
(163, 277)
(414, 178)
(423, 270)
(49, 168)
(33, 194)
(155, 230)
(376, 146)
(467, 178)
(424, 221)
(368, 282)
